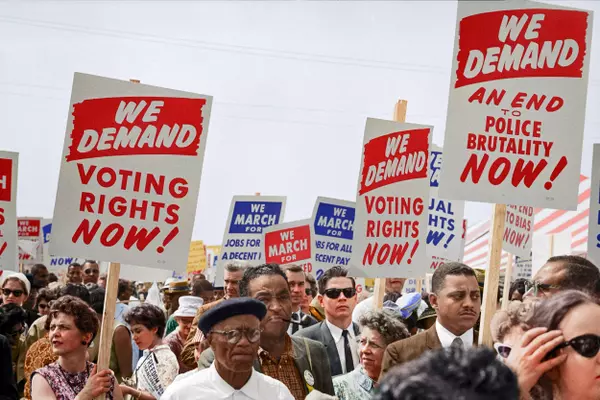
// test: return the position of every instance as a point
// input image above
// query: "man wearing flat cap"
(232, 329)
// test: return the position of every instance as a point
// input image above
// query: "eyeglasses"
(503, 350)
(335, 293)
(586, 345)
(16, 293)
(235, 335)
(538, 287)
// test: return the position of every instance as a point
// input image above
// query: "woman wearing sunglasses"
(15, 289)
(42, 301)
(563, 344)
(508, 326)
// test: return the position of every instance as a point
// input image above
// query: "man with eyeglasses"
(301, 364)
(337, 296)
(91, 272)
(297, 284)
(233, 330)
(562, 273)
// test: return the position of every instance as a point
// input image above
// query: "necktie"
(457, 342)
(295, 327)
(348, 352)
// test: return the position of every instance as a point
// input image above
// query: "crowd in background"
(274, 332)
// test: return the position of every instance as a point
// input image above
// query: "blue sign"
(335, 221)
(46, 232)
(252, 216)
(435, 164)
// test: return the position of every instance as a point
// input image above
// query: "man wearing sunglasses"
(91, 272)
(562, 273)
(232, 329)
(337, 296)
(457, 301)
(297, 284)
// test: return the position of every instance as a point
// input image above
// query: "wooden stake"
(108, 318)
(379, 291)
(507, 279)
(492, 275)
(419, 285)
(551, 245)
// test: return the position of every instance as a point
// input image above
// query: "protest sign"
(196, 257)
(8, 210)
(360, 285)
(519, 82)
(53, 262)
(332, 231)
(522, 268)
(148, 378)
(518, 230)
(593, 246)
(130, 173)
(390, 227)
(30, 240)
(445, 216)
(290, 243)
(248, 217)
(29, 228)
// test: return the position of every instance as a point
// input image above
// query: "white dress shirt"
(296, 316)
(208, 384)
(446, 337)
(339, 343)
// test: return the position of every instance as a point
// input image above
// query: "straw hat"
(178, 287)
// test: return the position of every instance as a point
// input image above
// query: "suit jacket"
(320, 332)
(410, 348)
(318, 363)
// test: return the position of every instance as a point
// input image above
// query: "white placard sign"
(332, 232)
(519, 82)
(518, 230)
(593, 246)
(390, 227)
(130, 173)
(8, 211)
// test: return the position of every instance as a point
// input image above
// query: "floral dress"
(65, 385)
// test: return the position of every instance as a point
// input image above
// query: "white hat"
(16, 275)
(188, 305)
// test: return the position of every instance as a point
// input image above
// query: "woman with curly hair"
(73, 325)
(147, 324)
(379, 328)
(42, 301)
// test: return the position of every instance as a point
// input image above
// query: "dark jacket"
(8, 388)
(317, 363)
(320, 332)
(410, 348)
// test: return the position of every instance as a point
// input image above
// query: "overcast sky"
(293, 83)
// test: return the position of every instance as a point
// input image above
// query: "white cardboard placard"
(518, 231)
(390, 228)
(130, 173)
(519, 82)
(9, 162)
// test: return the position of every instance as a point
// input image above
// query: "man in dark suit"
(457, 301)
(337, 296)
(297, 283)
(301, 365)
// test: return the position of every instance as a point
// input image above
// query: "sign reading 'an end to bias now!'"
(130, 173)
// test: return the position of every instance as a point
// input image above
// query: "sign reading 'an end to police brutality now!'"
(130, 173)
(8, 210)
(390, 227)
(516, 109)
(289, 243)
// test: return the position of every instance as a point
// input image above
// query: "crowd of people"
(274, 332)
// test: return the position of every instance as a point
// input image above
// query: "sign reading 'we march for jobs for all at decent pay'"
(130, 173)
(516, 109)
(390, 227)
(332, 231)
(290, 243)
(8, 210)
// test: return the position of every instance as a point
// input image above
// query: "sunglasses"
(503, 350)
(335, 293)
(308, 292)
(586, 345)
(538, 287)
(16, 293)
(235, 335)
(91, 271)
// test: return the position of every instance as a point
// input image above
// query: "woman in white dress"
(158, 367)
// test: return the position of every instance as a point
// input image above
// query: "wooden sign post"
(492, 276)
(108, 317)
(507, 278)
(379, 290)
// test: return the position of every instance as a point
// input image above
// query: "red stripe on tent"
(580, 229)
(566, 224)
(479, 257)
(477, 232)
(583, 196)
(476, 247)
(578, 243)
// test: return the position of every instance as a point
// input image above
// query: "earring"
(83, 342)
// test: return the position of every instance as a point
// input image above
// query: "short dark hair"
(292, 268)
(86, 319)
(74, 264)
(517, 286)
(579, 273)
(312, 283)
(75, 290)
(451, 373)
(201, 286)
(44, 294)
(572, 259)
(90, 262)
(123, 286)
(148, 315)
(449, 268)
(52, 277)
(387, 323)
(333, 272)
(252, 273)
(37, 268)
(97, 295)
(11, 315)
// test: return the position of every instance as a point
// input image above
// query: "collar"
(337, 332)
(446, 337)
(363, 379)
(288, 351)
(250, 389)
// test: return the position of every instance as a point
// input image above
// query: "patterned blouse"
(65, 385)
(355, 385)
